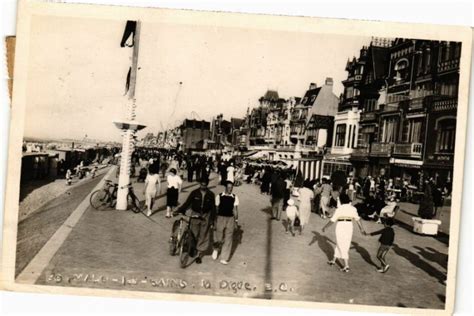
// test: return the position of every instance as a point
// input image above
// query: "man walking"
(227, 217)
(278, 193)
(326, 190)
(202, 203)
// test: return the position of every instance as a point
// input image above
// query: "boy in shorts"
(291, 213)
(387, 236)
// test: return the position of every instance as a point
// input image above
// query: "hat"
(291, 202)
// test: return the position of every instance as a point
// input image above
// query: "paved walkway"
(122, 250)
(35, 230)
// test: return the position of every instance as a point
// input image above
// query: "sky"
(77, 73)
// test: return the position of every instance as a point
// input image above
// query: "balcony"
(367, 116)
(413, 150)
(388, 108)
(381, 149)
(448, 65)
(362, 151)
(416, 104)
(445, 104)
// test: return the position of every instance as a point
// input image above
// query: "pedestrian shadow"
(324, 243)
(267, 210)
(408, 213)
(418, 262)
(158, 210)
(236, 240)
(433, 255)
(364, 254)
(268, 294)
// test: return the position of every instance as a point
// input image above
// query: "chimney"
(329, 81)
(312, 86)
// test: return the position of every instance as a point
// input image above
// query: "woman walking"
(152, 182)
(306, 196)
(174, 187)
(344, 215)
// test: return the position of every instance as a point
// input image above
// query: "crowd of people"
(341, 202)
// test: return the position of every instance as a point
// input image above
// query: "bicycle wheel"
(133, 203)
(99, 199)
(172, 246)
(184, 250)
(173, 241)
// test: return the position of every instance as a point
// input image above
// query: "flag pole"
(130, 127)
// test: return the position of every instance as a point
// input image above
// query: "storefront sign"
(406, 162)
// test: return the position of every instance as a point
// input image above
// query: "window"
(349, 92)
(457, 51)
(350, 136)
(353, 137)
(389, 130)
(446, 136)
(401, 69)
(449, 88)
(427, 59)
(340, 135)
(370, 105)
(412, 130)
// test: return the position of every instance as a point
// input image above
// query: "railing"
(367, 116)
(448, 65)
(445, 104)
(381, 149)
(362, 151)
(395, 98)
(353, 78)
(389, 108)
(412, 150)
(416, 103)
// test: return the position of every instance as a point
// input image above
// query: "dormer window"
(401, 69)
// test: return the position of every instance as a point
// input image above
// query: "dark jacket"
(198, 205)
(387, 236)
(278, 188)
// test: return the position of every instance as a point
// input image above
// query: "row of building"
(396, 117)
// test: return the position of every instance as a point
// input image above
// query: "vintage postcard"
(236, 158)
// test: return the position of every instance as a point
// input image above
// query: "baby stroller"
(142, 175)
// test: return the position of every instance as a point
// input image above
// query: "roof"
(379, 56)
(226, 126)
(28, 154)
(196, 124)
(310, 96)
(236, 122)
(271, 95)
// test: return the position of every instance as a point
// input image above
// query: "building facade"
(193, 134)
(409, 132)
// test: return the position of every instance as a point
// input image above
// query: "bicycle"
(107, 197)
(182, 240)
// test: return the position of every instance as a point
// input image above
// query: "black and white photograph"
(157, 153)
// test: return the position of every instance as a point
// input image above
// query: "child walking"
(387, 236)
(291, 213)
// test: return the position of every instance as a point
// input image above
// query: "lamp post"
(129, 126)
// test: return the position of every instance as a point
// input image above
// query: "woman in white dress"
(174, 187)
(230, 173)
(152, 187)
(306, 195)
(344, 216)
